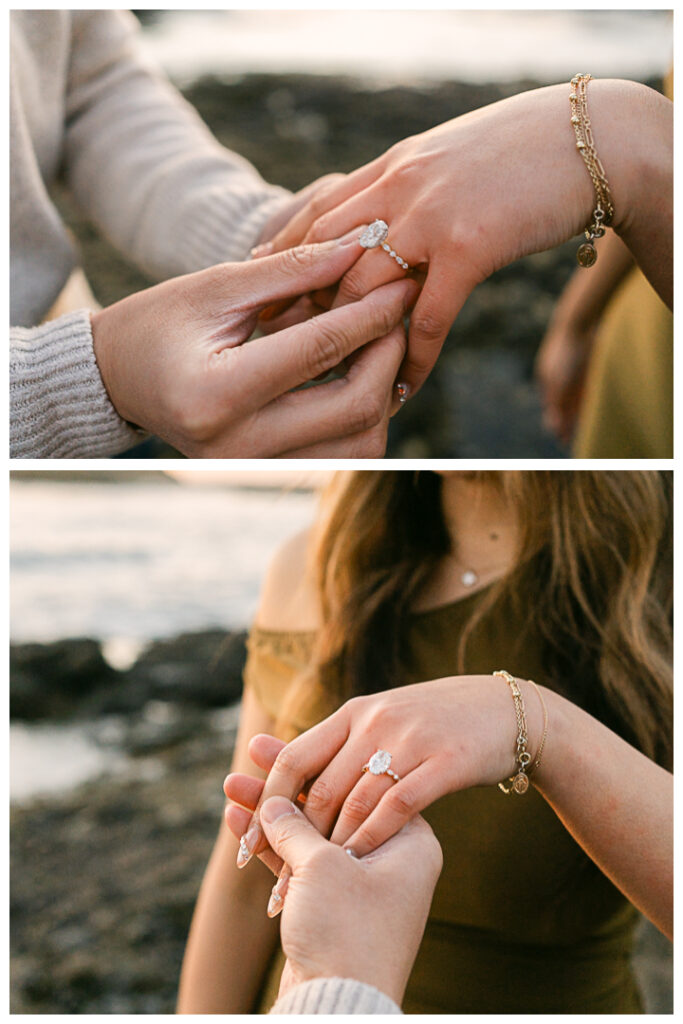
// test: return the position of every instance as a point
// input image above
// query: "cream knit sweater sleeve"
(59, 407)
(143, 165)
(145, 169)
(334, 995)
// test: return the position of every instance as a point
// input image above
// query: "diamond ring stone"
(379, 765)
(375, 235)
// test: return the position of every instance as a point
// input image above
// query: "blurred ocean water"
(127, 563)
(408, 45)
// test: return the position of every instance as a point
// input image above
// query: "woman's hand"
(478, 192)
(174, 362)
(343, 918)
(444, 735)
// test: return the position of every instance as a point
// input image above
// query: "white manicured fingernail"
(248, 845)
(402, 392)
(277, 896)
(275, 904)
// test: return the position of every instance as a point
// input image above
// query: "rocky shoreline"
(104, 877)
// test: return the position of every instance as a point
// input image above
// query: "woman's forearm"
(636, 124)
(615, 802)
(231, 938)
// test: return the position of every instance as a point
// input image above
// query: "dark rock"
(201, 669)
(159, 726)
(48, 680)
(109, 861)
(70, 678)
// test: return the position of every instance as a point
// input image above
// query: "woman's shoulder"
(289, 601)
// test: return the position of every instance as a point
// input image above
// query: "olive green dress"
(627, 411)
(522, 921)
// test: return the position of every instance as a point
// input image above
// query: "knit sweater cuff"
(59, 407)
(335, 995)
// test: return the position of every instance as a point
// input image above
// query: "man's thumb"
(290, 834)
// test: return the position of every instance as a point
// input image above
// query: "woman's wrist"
(632, 128)
(557, 746)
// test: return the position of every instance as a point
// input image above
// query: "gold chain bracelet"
(537, 762)
(604, 209)
(520, 780)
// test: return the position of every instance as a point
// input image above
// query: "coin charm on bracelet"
(586, 255)
(520, 783)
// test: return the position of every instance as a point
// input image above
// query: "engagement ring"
(379, 765)
(376, 234)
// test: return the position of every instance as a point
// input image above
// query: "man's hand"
(351, 918)
(173, 360)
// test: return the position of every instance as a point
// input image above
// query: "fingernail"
(279, 891)
(402, 392)
(275, 807)
(275, 904)
(261, 250)
(351, 853)
(248, 845)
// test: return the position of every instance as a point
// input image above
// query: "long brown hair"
(592, 576)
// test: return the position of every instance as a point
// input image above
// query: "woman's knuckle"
(402, 800)
(355, 706)
(319, 796)
(358, 807)
(428, 324)
(288, 761)
(407, 171)
(368, 838)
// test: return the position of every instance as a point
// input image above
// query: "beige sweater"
(145, 169)
(334, 995)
